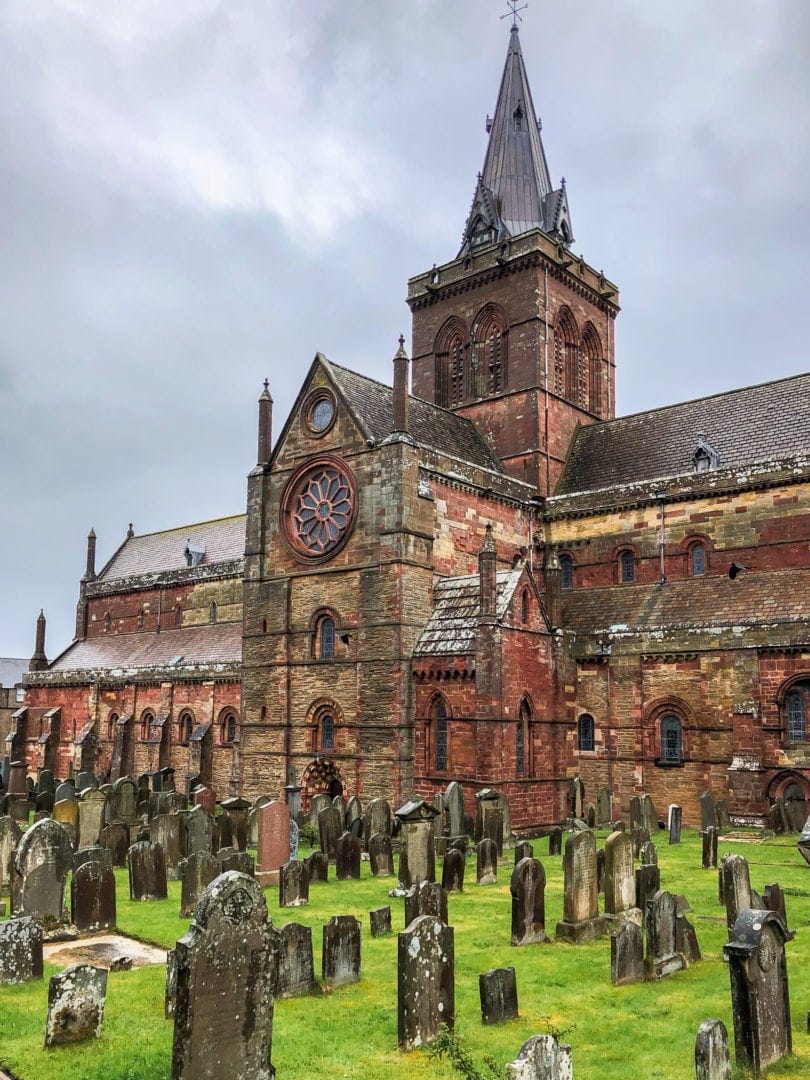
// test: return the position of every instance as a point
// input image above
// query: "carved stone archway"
(321, 777)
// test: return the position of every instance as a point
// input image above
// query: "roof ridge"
(191, 525)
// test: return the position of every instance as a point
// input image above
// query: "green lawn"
(639, 1032)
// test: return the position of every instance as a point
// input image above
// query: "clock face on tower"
(318, 508)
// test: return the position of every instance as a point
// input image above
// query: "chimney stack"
(265, 425)
(488, 575)
(39, 661)
(402, 401)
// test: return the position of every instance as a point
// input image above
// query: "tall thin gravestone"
(712, 1060)
(341, 950)
(426, 982)
(581, 920)
(41, 863)
(528, 888)
(620, 881)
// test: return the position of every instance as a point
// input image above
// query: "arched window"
(327, 732)
(213, 612)
(627, 567)
(178, 614)
(185, 726)
(797, 718)
(524, 606)
(566, 355)
(438, 714)
(227, 727)
(585, 733)
(567, 572)
(107, 621)
(147, 719)
(489, 352)
(522, 739)
(592, 363)
(326, 638)
(112, 720)
(141, 617)
(450, 352)
(671, 738)
(697, 560)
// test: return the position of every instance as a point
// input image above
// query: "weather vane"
(513, 11)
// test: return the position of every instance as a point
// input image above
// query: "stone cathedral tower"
(516, 332)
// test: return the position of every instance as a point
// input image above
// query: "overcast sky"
(197, 194)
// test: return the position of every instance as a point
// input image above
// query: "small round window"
(320, 413)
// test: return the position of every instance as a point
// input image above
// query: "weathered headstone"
(20, 950)
(541, 1058)
(604, 806)
(341, 950)
(272, 839)
(66, 812)
(41, 864)
(380, 921)
(528, 889)
(92, 897)
(380, 856)
(486, 867)
(165, 829)
(226, 971)
(330, 827)
(348, 851)
(354, 812)
(124, 800)
(709, 848)
(147, 872)
(736, 887)
(804, 842)
(497, 989)
(319, 802)
(377, 818)
(773, 898)
(722, 815)
(662, 957)
(581, 920)
(454, 805)
(453, 871)
(97, 853)
(416, 861)
(649, 817)
(686, 942)
(10, 836)
(115, 838)
(206, 798)
(296, 968)
(196, 874)
(760, 1001)
(231, 859)
(577, 798)
(426, 981)
(648, 882)
(293, 884)
(253, 820)
(196, 831)
(76, 999)
(626, 954)
(317, 865)
(86, 781)
(636, 815)
(640, 837)
(555, 841)
(426, 898)
(648, 854)
(92, 808)
(492, 825)
(707, 811)
(235, 812)
(620, 880)
(523, 850)
(712, 1059)
(675, 819)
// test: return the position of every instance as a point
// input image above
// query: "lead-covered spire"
(514, 192)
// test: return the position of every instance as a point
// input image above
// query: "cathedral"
(478, 573)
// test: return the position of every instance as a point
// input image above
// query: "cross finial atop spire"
(513, 11)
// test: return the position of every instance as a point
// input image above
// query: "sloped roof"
(223, 539)
(429, 425)
(751, 599)
(205, 645)
(768, 422)
(453, 624)
(11, 670)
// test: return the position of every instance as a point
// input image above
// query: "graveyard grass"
(643, 1031)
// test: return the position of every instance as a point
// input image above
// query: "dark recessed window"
(326, 639)
(585, 733)
(440, 738)
(567, 568)
(185, 727)
(671, 748)
(797, 718)
(627, 566)
(698, 560)
(520, 748)
(213, 612)
(328, 733)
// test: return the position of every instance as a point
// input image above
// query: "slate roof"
(753, 598)
(205, 645)
(11, 670)
(431, 426)
(223, 539)
(453, 624)
(761, 423)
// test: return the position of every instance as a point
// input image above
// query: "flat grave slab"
(103, 950)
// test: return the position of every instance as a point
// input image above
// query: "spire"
(514, 192)
(401, 393)
(39, 660)
(265, 425)
(90, 571)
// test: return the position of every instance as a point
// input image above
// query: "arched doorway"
(321, 777)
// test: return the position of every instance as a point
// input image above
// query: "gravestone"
(66, 812)
(92, 808)
(348, 851)
(92, 897)
(721, 813)
(581, 920)
(454, 805)
(380, 921)
(640, 837)
(19, 808)
(272, 839)
(341, 950)
(649, 818)
(377, 818)
(707, 811)
(41, 864)
(528, 889)
(86, 781)
(523, 850)
(486, 863)
(65, 790)
(620, 879)
(319, 802)
(648, 882)
(76, 999)
(197, 871)
(317, 865)
(206, 798)
(147, 871)
(662, 957)
(196, 831)
(804, 842)
(124, 801)
(253, 820)
(380, 856)
(542, 1058)
(453, 871)
(600, 871)
(46, 790)
(675, 820)
(235, 812)
(294, 834)
(226, 971)
(426, 981)
(636, 816)
(426, 898)
(736, 887)
(760, 1001)
(626, 954)
(17, 780)
(686, 942)
(648, 854)
(231, 859)
(709, 849)
(712, 1059)
(498, 992)
(165, 829)
(416, 861)
(10, 836)
(555, 841)
(492, 825)
(330, 827)
(20, 950)
(604, 806)
(115, 839)
(354, 812)
(296, 968)
(576, 797)
(773, 898)
(293, 884)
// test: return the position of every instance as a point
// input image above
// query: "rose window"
(319, 509)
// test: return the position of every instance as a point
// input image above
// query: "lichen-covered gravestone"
(147, 872)
(115, 838)
(330, 826)
(486, 864)
(10, 836)
(377, 818)
(417, 861)
(296, 968)
(380, 921)
(75, 1004)
(92, 897)
(92, 809)
(581, 921)
(226, 967)
(317, 865)
(166, 830)
(293, 884)
(453, 871)
(341, 950)
(348, 850)
(620, 877)
(626, 954)
(20, 951)
(426, 981)
(712, 1060)
(196, 874)
(709, 849)
(426, 898)
(528, 888)
(662, 957)
(498, 992)
(541, 1058)
(41, 863)
(380, 856)
(735, 883)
